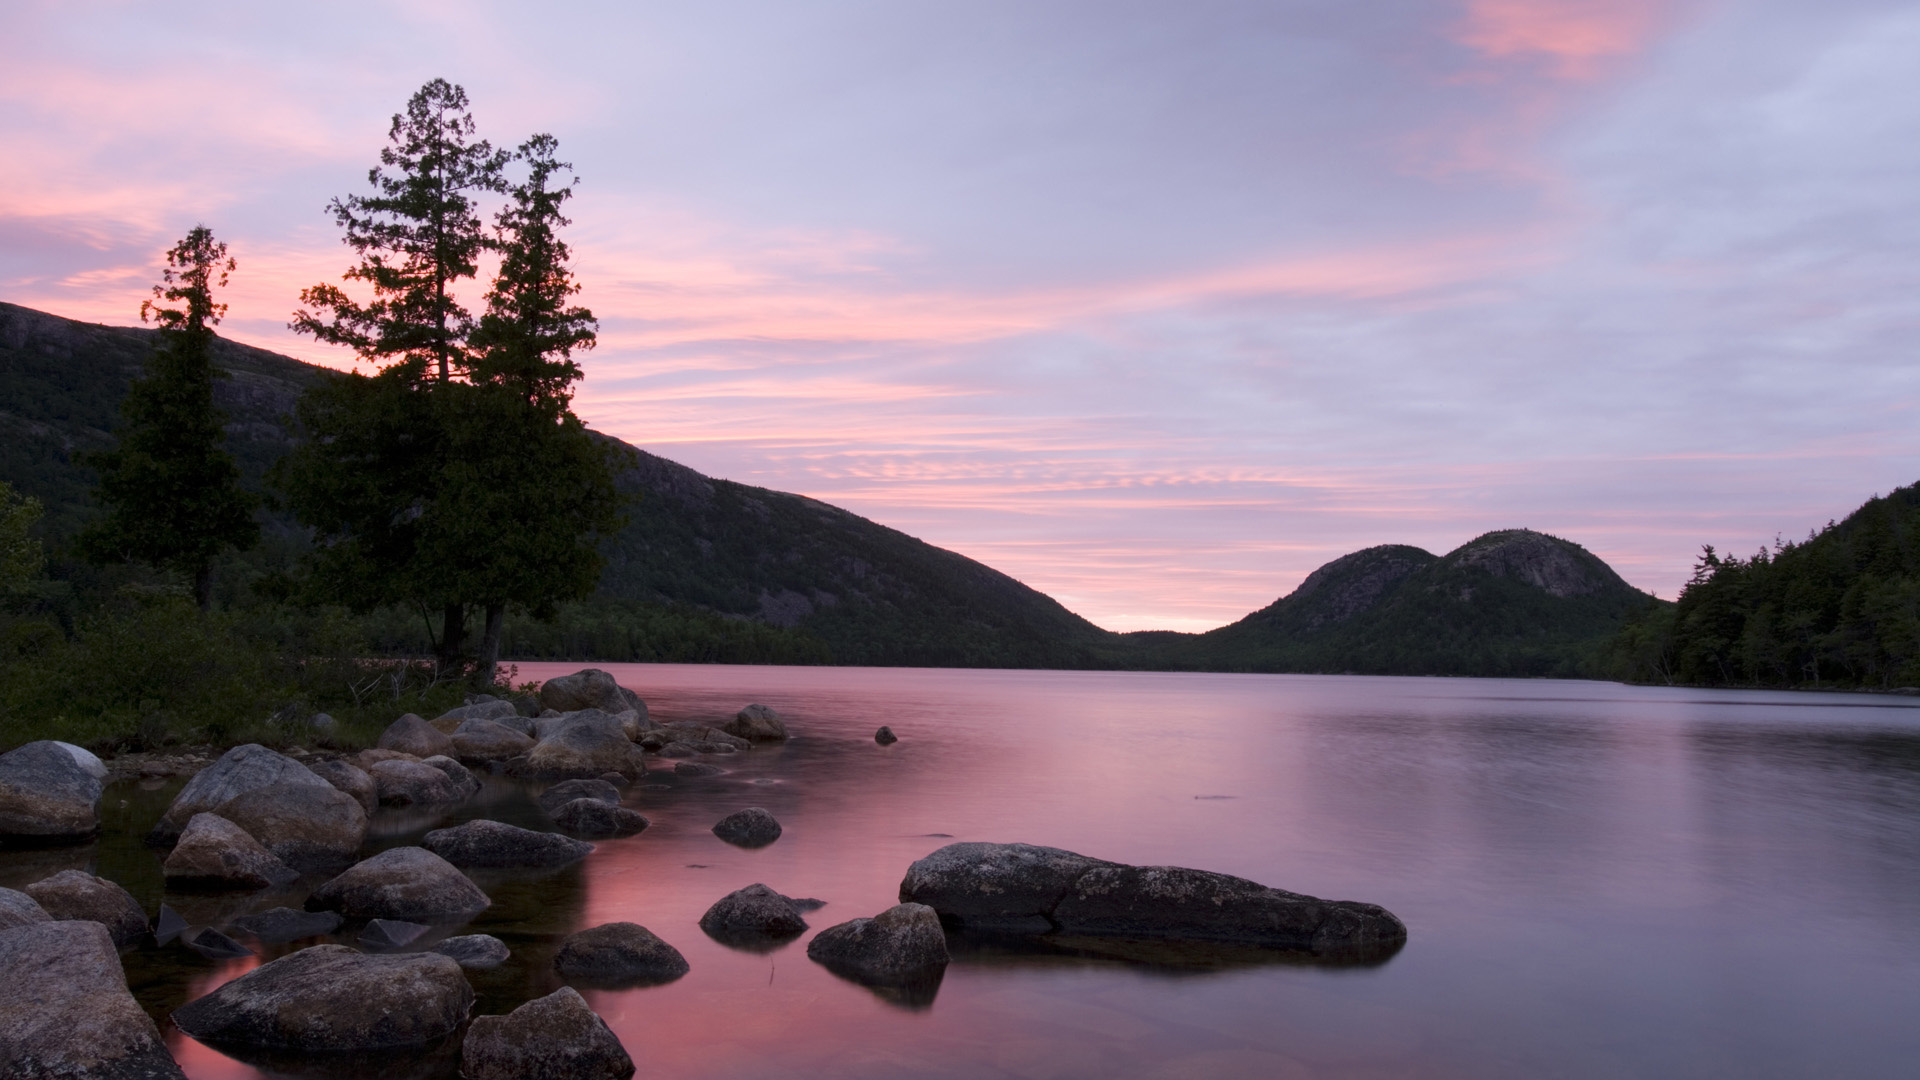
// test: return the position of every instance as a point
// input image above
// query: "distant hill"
(715, 570)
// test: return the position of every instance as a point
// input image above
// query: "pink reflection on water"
(196, 1058)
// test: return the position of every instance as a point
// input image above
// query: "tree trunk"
(490, 645)
(203, 586)
(453, 636)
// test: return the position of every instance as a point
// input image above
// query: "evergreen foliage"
(171, 490)
(21, 557)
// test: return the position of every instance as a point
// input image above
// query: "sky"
(1154, 306)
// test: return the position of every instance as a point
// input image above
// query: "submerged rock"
(407, 883)
(885, 736)
(214, 853)
(557, 1037)
(475, 952)
(168, 924)
(749, 828)
(695, 768)
(76, 895)
(566, 791)
(619, 954)
(68, 1014)
(350, 779)
(412, 735)
(753, 918)
(597, 820)
(497, 844)
(284, 924)
(46, 795)
(902, 944)
(391, 933)
(19, 909)
(756, 723)
(331, 998)
(239, 770)
(305, 825)
(215, 945)
(1028, 889)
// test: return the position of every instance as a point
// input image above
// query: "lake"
(1598, 880)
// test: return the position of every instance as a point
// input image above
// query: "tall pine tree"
(171, 491)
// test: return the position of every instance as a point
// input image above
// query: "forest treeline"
(1838, 609)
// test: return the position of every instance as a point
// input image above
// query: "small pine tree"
(170, 489)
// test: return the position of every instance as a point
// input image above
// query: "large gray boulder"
(750, 828)
(481, 740)
(756, 723)
(903, 944)
(597, 820)
(619, 954)
(498, 844)
(412, 735)
(753, 918)
(414, 783)
(585, 746)
(331, 998)
(19, 909)
(351, 779)
(76, 894)
(407, 883)
(65, 1013)
(566, 791)
(214, 853)
(1021, 888)
(308, 825)
(46, 795)
(502, 712)
(87, 760)
(463, 779)
(475, 952)
(589, 688)
(239, 770)
(557, 1037)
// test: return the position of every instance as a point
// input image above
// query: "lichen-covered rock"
(414, 783)
(751, 828)
(1005, 887)
(757, 723)
(496, 710)
(407, 883)
(412, 735)
(497, 844)
(76, 894)
(475, 952)
(753, 918)
(584, 747)
(19, 909)
(331, 998)
(557, 1037)
(566, 791)
(480, 740)
(619, 954)
(65, 1013)
(900, 945)
(46, 795)
(307, 826)
(597, 820)
(351, 779)
(283, 924)
(588, 688)
(214, 853)
(239, 770)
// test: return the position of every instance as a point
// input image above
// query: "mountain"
(710, 569)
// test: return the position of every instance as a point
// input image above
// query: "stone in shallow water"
(900, 945)
(695, 768)
(168, 925)
(885, 736)
(46, 795)
(402, 883)
(76, 894)
(557, 1037)
(215, 945)
(214, 853)
(239, 770)
(758, 723)
(331, 998)
(593, 818)
(284, 924)
(496, 844)
(391, 933)
(68, 1014)
(751, 828)
(306, 826)
(619, 954)
(566, 791)
(754, 918)
(476, 952)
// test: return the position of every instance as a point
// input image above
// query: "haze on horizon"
(1156, 307)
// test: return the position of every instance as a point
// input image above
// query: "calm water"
(1599, 881)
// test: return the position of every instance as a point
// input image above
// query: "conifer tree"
(171, 491)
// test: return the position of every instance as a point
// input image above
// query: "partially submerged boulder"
(494, 709)
(412, 735)
(480, 740)
(407, 883)
(903, 944)
(757, 723)
(498, 844)
(885, 736)
(306, 825)
(19, 909)
(283, 924)
(584, 747)
(566, 791)
(68, 1014)
(589, 688)
(459, 775)
(214, 853)
(46, 795)
(557, 1037)
(619, 954)
(76, 894)
(239, 770)
(351, 779)
(750, 828)
(753, 918)
(414, 783)
(475, 952)
(331, 998)
(215, 945)
(596, 820)
(384, 934)
(1027, 889)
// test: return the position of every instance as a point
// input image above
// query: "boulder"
(480, 740)
(88, 761)
(589, 688)
(547, 725)
(385, 934)
(214, 853)
(584, 747)
(239, 770)
(885, 736)
(902, 944)
(497, 844)
(76, 894)
(463, 780)
(475, 952)
(367, 759)
(749, 828)
(756, 723)
(704, 738)
(331, 998)
(283, 924)
(557, 1037)
(597, 820)
(402, 883)
(1028, 889)
(619, 954)
(347, 777)
(754, 917)
(566, 791)
(306, 826)
(46, 795)
(414, 783)
(19, 909)
(215, 945)
(494, 709)
(412, 735)
(67, 1011)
